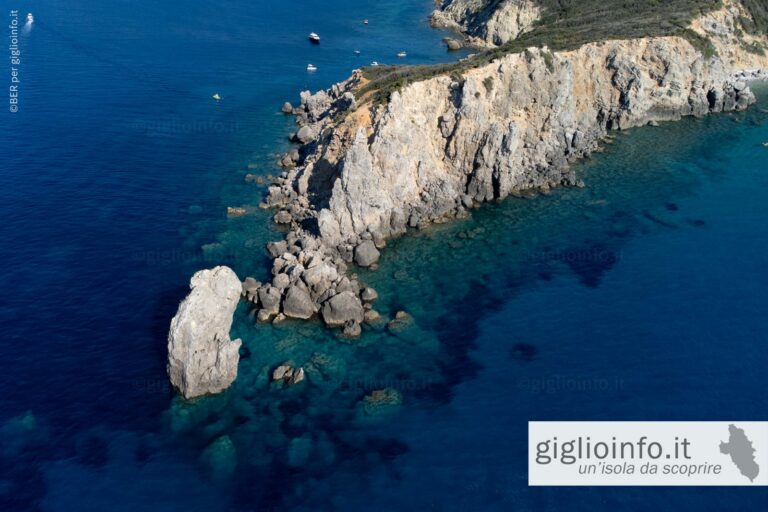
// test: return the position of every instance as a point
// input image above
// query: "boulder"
(369, 294)
(287, 108)
(250, 287)
(452, 44)
(298, 303)
(371, 317)
(352, 328)
(341, 308)
(269, 299)
(287, 374)
(283, 217)
(275, 249)
(305, 134)
(321, 276)
(202, 359)
(366, 254)
(281, 281)
(236, 211)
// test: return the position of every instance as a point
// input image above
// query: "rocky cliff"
(487, 22)
(443, 145)
(202, 359)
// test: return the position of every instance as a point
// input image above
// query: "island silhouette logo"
(741, 451)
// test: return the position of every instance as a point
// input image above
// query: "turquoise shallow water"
(640, 297)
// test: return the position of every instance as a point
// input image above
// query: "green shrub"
(569, 24)
(488, 83)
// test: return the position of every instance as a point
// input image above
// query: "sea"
(642, 296)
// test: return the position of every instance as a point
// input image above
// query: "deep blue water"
(640, 297)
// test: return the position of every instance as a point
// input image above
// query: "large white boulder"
(202, 359)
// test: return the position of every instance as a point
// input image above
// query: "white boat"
(30, 18)
(402, 54)
(357, 52)
(314, 38)
(374, 63)
(311, 67)
(216, 97)
(365, 22)
(765, 144)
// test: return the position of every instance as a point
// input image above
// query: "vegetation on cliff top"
(568, 24)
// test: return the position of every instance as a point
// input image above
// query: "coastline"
(365, 174)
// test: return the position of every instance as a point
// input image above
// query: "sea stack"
(202, 359)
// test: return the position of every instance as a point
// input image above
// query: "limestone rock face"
(488, 22)
(446, 144)
(202, 359)
(440, 144)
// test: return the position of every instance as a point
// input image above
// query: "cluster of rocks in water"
(287, 374)
(359, 176)
(338, 198)
(310, 280)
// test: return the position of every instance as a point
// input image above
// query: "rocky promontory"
(487, 23)
(365, 170)
(202, 359)
(443, 145)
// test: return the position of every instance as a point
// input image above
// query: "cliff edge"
(442, 145)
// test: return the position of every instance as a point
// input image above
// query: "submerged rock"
(381, 401)
(202, 359)
(236, 211)
(220, 458)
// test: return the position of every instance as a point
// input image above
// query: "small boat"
(374, 63)
(216, 97)
(357, 52)
(30, 18)
(765, 144)
(314, 38)
(402, 54)
(311, 67)
(365, 22)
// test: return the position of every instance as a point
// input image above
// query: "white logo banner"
(567, 453)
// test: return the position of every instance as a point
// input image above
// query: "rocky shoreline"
(363, 173)
(441, 148)
(485, 23)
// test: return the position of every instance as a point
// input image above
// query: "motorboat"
(374, 63)
(365, 22)
(216, 97)
(30, 18)
(311, 67)
(314, 38)
(402, 54)
(357, 52)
